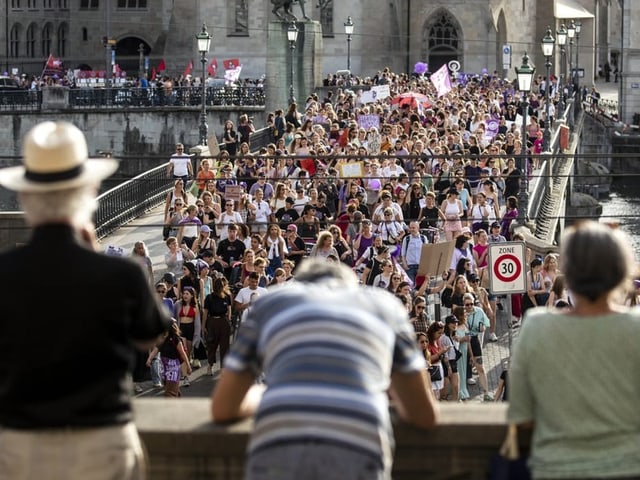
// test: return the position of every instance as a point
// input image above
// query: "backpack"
(405, 242)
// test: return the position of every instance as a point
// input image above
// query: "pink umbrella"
(412, 100)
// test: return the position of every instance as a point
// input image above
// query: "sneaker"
(493, 337)
(487, 398)
(158, 385)
(209, 371)
(471, 381)
(186, 382)
(137, 388)
(195, 363)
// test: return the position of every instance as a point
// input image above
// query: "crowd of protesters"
(363, 184)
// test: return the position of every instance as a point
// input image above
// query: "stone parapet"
(182, 442)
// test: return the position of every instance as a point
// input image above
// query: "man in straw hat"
(65, 385)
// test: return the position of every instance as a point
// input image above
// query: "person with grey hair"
(44, 416)
(573, 374)
(326, 345)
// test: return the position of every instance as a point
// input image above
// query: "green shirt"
(578, 380)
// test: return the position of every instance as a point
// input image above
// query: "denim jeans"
(313, 460)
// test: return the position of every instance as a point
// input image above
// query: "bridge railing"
(27, 101)
(135, 197)
(81, 98)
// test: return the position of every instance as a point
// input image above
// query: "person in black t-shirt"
(287, 214)
(230, 250)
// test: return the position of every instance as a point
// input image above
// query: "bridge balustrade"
(23, 101)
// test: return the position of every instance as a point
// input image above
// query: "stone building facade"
(394, 33)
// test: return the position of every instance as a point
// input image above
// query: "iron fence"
(20, 101)
(163, 97)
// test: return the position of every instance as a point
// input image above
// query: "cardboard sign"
(232, 192)
(435, 258)
(368, 121)
(352, 170)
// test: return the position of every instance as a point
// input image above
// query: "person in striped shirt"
(332, 353)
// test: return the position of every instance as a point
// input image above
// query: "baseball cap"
(205, 229)
(289, 200)
(465, 230)
(292, 228)
(169, 277)
(495, 225)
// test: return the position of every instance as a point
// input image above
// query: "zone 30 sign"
(506, 268)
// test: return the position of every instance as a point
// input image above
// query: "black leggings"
(218, 333)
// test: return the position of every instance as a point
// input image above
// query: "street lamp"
(571, 33)
(548, 42)
(204, 42)
(577, 77)
(525, 76)
(141, 60)
(561, 34)
(348, 29)
(292, 36)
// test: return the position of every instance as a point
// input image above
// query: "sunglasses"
(468, 304)
(161, 291)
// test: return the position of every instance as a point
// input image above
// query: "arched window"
(46, 40)
(63, 30)
(441, 41)
(14, 41)
(31, 41)
(241, 18)
(443, 33)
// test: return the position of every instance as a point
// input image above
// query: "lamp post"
(348, 29)
(525, 76)
(571, 33)
(561, 35)
(141, 60)
(577, 76)
(292, 36)
(548, 42)
(204, 42)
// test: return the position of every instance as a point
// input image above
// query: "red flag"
(212, 67)
(231, 63)
(187, 70)
(162, 66)
(53, 66)
(153, 73)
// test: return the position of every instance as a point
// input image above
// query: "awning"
(570, 9)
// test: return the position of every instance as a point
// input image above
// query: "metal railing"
(135, 197)
(18, 101)
(82, 98)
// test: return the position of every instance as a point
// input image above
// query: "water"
(623, 207)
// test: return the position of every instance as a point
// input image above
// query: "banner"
(368, 121)
(162, 66)
(232, 76)
(441, 80)
(379, 92)
(231, 64)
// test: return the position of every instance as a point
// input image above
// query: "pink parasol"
(412, 100)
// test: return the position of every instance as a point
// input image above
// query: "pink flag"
(442, 82)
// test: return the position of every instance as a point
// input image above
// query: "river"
(623, 207)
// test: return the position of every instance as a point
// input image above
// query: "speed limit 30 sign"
(506, 268)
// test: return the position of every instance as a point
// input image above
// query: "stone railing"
(182, 442)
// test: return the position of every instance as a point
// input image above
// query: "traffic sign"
(506, 268)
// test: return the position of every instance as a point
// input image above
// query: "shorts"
(188, 330)
(476, 348)
(451, 367)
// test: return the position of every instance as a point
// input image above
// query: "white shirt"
(180, 164)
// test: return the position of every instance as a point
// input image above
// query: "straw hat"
(55, 158)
